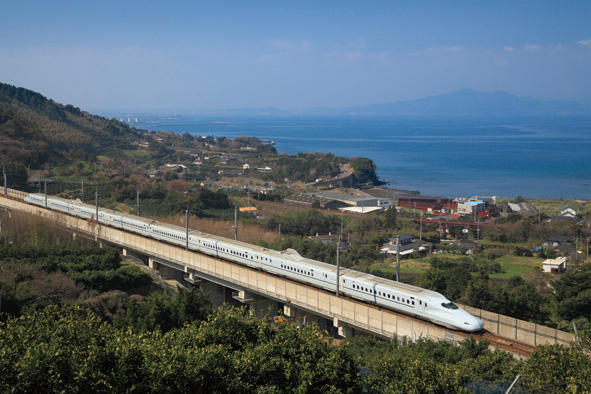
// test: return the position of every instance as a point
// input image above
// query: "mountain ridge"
(464, 102)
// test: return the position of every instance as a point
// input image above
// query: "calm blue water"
(532, 157)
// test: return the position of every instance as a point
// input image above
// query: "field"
(510, 265)
(517, 266)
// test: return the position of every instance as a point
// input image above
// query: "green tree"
(390, 217)
(557, 369)
(364, 170)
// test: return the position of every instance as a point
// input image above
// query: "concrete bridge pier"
(303, 317)
(153, 264)
(258, 305)
(344, 330)
(216, 293)
(169, 273)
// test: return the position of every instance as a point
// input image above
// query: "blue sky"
(196, 55)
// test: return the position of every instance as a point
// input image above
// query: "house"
(251, 210)
(555, 266)
(523, 208)
(265, 169)
(470, 207)
(563, 218)
(466, 244)
(567, 210)
(560, 243)
(154, 173)
(555, 240)
(246, 166)
(300, 200)
(406, 248)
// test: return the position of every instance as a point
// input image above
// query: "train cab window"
(449, 305)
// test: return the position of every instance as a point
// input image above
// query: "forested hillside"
(35, 129)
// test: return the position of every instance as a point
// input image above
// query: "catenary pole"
(45, 194)
(5, 182)
(138, 201)
(397, 258)
(338, 267)
(187, 230)
(235, 223)
(82, 191)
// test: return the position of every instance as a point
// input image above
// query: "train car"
(36, 199)
(86, 211)
(136, 224)
(410, 300)
(168, 233)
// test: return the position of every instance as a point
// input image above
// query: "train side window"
(413, 302)
(398, 298)
(420, 302)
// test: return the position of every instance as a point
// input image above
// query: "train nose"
(474, 324)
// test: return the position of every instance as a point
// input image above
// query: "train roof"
(409, 289)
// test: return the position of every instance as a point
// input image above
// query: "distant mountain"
(460, 103)
(470, 102)
(34, 128)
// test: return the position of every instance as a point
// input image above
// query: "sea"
(532, 157)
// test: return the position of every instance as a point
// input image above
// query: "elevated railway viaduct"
(264, 292)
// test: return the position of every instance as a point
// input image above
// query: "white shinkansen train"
(415, 301)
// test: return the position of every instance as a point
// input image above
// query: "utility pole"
(398, 258)
(338, 267)
(138, 201)
(421, 231)
(236, 224)
(45, 194)
(279, 229)
(96, 204)
(187, 230)
(5, 182)
(83, 190)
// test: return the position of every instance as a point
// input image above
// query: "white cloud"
(531, 47)
(345, 55)
(508, 48)
(585, 42)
